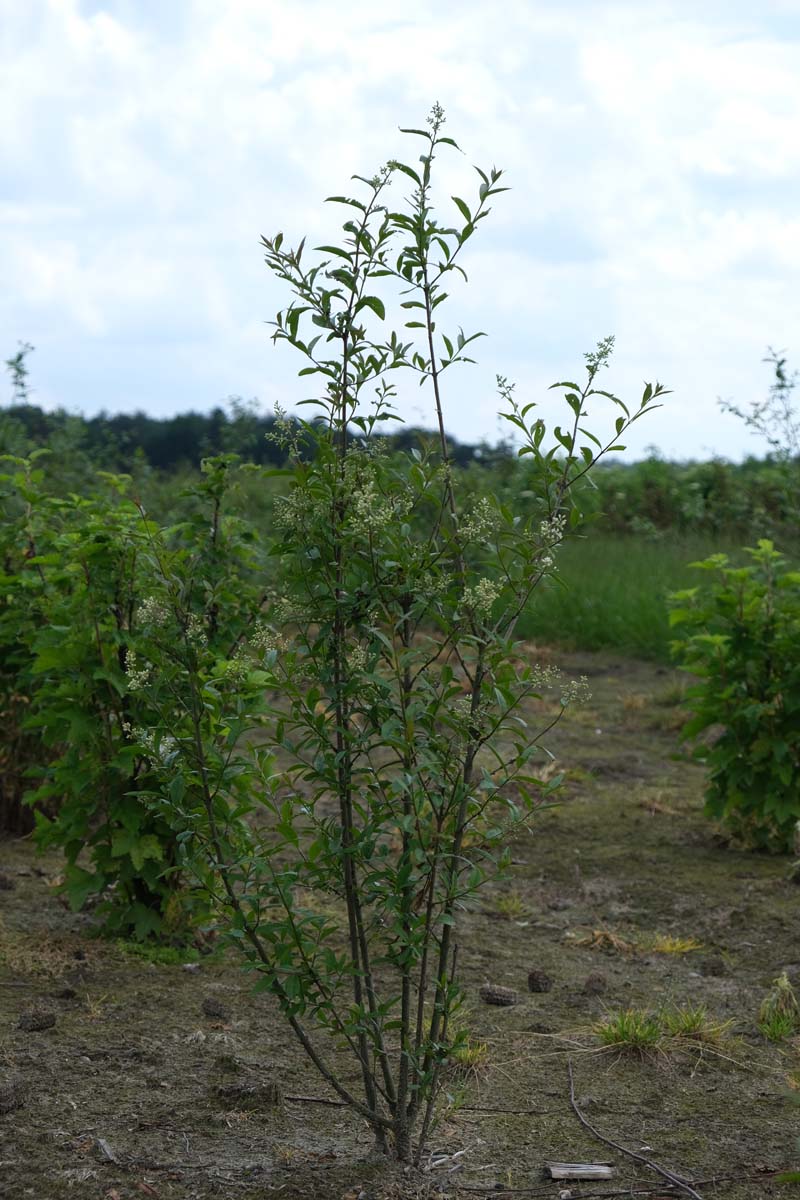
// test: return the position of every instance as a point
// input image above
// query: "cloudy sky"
(653, 151)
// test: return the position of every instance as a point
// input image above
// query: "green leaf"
(373, 302)
(462, 208)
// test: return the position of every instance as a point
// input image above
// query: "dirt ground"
(172, 1080)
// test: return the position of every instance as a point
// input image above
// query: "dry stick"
(675, 1180)
(632, 1190)
(476, 1108)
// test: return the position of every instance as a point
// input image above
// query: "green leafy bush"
(79, 585)
(740, 634)
(377, 719)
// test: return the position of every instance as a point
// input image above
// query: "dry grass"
(43, 954)
(607, 941)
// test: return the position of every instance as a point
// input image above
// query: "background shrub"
(740, 634)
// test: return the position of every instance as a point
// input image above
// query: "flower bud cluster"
(146, 739)
(480, 598)
(576, 691)
(357, 660)
(296, 511)
(479, 524)
(196, 630)
(371, 511)
(265, 639)
(551, 531)
(153, 612)
(138, 677)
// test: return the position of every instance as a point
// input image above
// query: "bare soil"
(124, 1078)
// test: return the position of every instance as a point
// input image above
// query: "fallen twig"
(630, 1190)
(675, 1180)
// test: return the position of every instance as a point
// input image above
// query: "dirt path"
(142, 1087)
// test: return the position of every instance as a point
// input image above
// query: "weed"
(165, 956)
(511, 906)
(668, 944)
(673, 696)
(778, 1026)
(95, 1005)
(468, 1055)
(644, 1032)
(633, 1030)
(693, 1024)
(779, 1015)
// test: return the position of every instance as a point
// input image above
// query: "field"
(171, 1079)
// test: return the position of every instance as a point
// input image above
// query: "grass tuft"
(668, 944)
(511, 906)
(693, 1024)
(633, 1030)
(779, 1015)
(644, 1033)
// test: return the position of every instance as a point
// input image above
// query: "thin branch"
(675, 1180)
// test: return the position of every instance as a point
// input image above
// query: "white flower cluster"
(462, 708)
(551, 531)
(480, 598)
(358, 660)
(372, 511)
(138, 677)
(147, 740)
(434, 583)
(544, 678)
(576, 692)
(153, 612)
(265, 639)
(283, 610)
(196, 631)
(479, 524)
(235, 670)
(295, 511)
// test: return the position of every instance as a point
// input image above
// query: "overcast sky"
(653, 151)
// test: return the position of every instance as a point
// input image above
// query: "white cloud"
(652, 152)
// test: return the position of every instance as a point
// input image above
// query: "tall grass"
(614, 592)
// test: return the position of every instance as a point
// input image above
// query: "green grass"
(779, 1015)
(166, 956)
(615, 593)
(633, 1030)
(642, 1032)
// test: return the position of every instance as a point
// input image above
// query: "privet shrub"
(740, 633)
(78, 595)
(391, 758)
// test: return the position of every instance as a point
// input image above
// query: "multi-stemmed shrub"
(740, 634)
(376, 720)
(78, 583)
